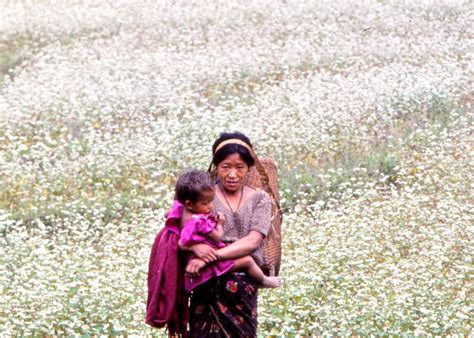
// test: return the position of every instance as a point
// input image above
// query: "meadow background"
(366, 106)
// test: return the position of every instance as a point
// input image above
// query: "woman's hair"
(191, 184)
(232, 148)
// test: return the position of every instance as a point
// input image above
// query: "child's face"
(204, 204)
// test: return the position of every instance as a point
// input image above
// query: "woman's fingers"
(211, 257)
(205, 252)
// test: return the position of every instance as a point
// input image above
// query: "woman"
(227, 306)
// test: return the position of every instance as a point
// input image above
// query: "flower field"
(366, 106)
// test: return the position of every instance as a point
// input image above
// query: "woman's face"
(232, 172)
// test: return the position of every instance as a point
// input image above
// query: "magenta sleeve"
(195, 230)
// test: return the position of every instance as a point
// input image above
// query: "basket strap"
(266, 181)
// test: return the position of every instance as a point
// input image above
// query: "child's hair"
(191, 184)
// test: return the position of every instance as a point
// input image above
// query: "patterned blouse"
(253, 214)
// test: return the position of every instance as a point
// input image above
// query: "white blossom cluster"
(366, 106)
(396, 259)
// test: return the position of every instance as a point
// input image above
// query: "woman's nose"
(232, 173)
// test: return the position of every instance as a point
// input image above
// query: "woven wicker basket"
(272, 243)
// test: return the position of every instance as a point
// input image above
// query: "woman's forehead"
(234, 158)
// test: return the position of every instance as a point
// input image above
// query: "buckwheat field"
(366, 106)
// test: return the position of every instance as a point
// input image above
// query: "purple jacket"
(167, 303)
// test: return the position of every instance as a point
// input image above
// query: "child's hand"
(220, 218)
(194, 266)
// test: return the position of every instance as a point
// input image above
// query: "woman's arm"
(242, 247)
(203, 251)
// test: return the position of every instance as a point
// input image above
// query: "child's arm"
(184, 218)
(216, 234)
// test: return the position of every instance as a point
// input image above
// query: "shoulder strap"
(266, 181)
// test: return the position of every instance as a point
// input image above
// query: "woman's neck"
(234, 199)
(231, 194)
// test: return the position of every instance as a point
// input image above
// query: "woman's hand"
(194, 265)
(204, 252)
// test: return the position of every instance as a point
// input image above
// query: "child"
(193, 205)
